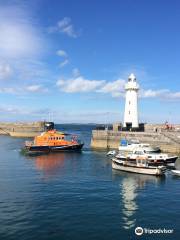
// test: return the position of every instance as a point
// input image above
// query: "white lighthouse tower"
(131, 104)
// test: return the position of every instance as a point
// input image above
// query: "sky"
(68, 61)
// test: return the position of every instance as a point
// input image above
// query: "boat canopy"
(124, 142)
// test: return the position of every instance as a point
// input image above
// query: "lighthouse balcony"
(130, 87)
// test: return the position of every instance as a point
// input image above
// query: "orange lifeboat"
(53, 141)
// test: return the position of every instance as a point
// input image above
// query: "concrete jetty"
(154, 134)
(22, 129)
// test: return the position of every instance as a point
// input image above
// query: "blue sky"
(69, 60)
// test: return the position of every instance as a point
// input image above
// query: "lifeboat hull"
(47, 149)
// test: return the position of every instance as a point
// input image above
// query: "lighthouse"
(131, 104)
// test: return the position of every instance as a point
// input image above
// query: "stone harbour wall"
(21, 129)
(106, 139)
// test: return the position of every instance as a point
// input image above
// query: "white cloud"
(35, 88)
(19, 35)
(62, 53)
(5, 71)
(64, 26)
(175, 95)
(8, 109)
(152, 93)
(64, 63)
(79, 84)
(116, 88)
(161, 93)
(9, 90)
(23, 111)
(22, 45)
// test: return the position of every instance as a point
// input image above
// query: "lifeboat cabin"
(53, 141)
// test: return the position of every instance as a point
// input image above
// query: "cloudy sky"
(69, 60)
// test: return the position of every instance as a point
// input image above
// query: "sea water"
(77, 196)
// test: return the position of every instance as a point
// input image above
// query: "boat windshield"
(141, 162)
(139, 152)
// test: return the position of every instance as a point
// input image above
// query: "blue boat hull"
(47, 149)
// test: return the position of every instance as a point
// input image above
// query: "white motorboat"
(111, 153)
(154, 159)
(176, 172)
(130, 146)
(139, 166)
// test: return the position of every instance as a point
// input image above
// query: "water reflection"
(130, 206)
(55, 163)
(130, 187)
(49, 163)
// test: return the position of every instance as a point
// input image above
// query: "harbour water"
(78, 196)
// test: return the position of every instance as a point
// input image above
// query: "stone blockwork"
(167, 141)
(22, 129)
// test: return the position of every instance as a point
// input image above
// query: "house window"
(129, 112)
(129, 102)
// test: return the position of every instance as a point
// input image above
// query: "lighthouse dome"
(132, 78)
(131, 84)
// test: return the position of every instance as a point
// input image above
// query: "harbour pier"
(166, 136)
(23, 129)
(154, 134)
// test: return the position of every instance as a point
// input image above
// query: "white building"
(131, 104)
